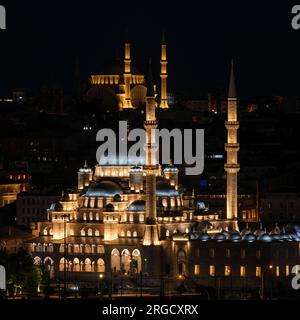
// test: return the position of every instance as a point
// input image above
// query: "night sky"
(43, 39)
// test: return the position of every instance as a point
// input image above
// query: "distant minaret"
(163, 74)
(127, 76)
(150, 168)
(232, 166)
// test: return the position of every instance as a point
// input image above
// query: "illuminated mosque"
(129, 219)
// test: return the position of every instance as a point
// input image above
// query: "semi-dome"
(164, 189)
(137, 205)
(104, 188)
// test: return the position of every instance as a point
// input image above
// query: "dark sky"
(43, 39)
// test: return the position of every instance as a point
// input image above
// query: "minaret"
(150, 168)
(163, 74)
(127, 76)
(232, 166)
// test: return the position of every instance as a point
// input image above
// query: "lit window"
(97, 216)
(258, 272)
(91, 215)
(227, 271)
(277, 271)
(134, 234)
(131, 218)
(212, 271)
(243, 271)
(84, 216)
(287, 270)
(197, 270)
(97, 233)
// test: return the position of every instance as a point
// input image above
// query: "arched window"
(45, 232)
(51, 232)
(97, 233)
(97, 216)
(131, 218)
(128, 233)
(82, 232)
(84, 216)
(122, 233)
(115, 260)
(136, 256)
(76, 265)
(181, 260)
(39, 248)
(134, 234)
(50, 247)
(87, 265)
(141, 217)
(100, 265)
(71, 232)
(91, 216)
(167, 233)
(125, 261)
(37, 260)
(62, 264)
(87, 248)
(100, 249)
(90, 232)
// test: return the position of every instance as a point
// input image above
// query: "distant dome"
(137, 205)
(104, 189)
(117, 198)
(164, 189)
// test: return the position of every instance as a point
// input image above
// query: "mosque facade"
(129, 219)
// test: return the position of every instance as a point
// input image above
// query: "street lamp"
(101, 276)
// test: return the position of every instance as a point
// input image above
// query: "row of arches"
(128, 233)
(83, 248)
(90, 232)
(45, 247)
(86, 265)
(125, 261)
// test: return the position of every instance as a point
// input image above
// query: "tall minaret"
(127, 76)
(150, 168)
(232, 166)
(163, 74)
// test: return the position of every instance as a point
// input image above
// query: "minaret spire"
(151, 167)
(232, 166)
(127, 75)
(163, 74)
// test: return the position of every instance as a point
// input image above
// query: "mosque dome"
(170, 168)
(249, 237)
(56, 206)
(265, 237)
(135, 169)
(219, 237)
(235, 236)
(164, 189)
(204, 237)
(104, 188)
(137, 205)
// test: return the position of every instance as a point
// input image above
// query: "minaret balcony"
(232, 125)
(232, 167)
(232, 147)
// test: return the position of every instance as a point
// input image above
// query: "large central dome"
(105, 188)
